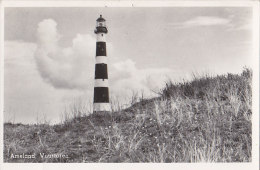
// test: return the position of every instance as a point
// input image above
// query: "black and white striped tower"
(101, 91)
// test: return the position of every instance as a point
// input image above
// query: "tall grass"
(204, 120)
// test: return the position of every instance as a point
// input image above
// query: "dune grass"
(204, 120)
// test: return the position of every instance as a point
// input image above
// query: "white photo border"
(144, 166)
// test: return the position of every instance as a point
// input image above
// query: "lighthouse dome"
(101, 19)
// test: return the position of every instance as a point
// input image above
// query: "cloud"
(246, 26)
(126, 78)
(65, 68)
(203, 21)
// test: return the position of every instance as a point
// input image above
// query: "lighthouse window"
(102, 35)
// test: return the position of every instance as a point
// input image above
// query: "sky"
(50, 53)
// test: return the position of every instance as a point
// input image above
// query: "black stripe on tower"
(101, 95)
(101, 71)
(101, 49)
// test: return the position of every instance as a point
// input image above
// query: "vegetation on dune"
(205, 120)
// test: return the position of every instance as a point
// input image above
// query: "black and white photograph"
(129, 84)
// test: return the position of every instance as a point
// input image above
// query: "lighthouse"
(101, 90)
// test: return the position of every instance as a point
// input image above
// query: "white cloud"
(126, 78)
(246, 26)
(203, 21)
(67, 68)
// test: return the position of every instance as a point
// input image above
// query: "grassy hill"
(205, 120)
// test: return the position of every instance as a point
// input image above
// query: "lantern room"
(101, 25)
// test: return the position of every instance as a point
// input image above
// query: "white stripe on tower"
(101, 90)
(101, 107)
(101, 59)
(101, 37)
(101, 82)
